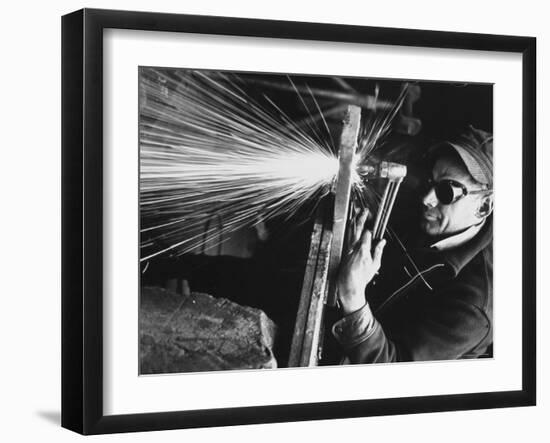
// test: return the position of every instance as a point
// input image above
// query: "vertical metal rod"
(304, 308)
(383, 211)
(314, 323)
(381, 207)
(385, 208)
(395, 188)
(342, 192)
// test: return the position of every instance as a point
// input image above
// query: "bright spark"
(208, 151)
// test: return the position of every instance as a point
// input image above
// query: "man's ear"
(485, 206)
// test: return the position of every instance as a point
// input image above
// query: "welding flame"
(207, 150)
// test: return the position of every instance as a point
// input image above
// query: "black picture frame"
(82, 218)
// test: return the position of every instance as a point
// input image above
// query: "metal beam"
(342, 192)
(325, 251)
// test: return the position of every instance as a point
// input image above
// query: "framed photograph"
(271, 221)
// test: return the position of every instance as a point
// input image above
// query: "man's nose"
(430, 199)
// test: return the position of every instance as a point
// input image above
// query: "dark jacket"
(440, 309)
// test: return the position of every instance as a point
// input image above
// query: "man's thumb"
(378, 250)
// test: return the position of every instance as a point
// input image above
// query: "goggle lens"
(446, 193)
(449, 191)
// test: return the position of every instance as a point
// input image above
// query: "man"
(432, 302)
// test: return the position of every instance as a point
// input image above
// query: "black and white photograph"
(296, 219)
(291, 220)
(273, 222)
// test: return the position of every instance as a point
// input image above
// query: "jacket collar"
(458, 239)
(457, 257)
(460, 256)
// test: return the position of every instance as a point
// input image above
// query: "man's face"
(441, 220)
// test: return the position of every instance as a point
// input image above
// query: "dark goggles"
(450, 191)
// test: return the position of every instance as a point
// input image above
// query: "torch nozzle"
(390, 170)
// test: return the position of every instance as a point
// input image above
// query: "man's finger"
(360, 224)
(366, 241)
(370, 215)
(378, 250)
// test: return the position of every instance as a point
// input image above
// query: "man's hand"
(358, 266)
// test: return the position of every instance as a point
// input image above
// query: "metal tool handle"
(385, 208)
